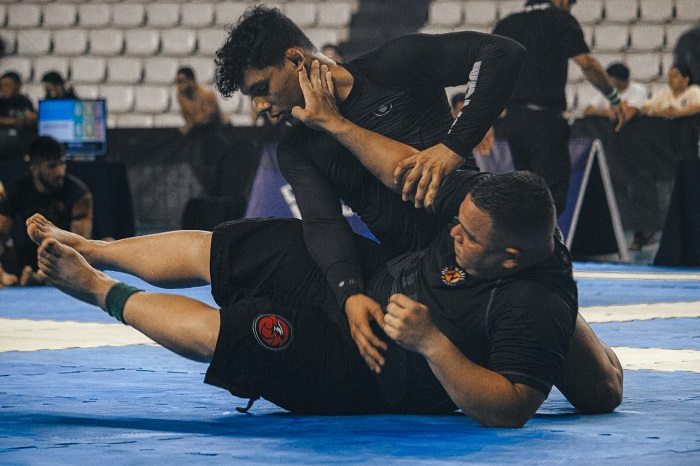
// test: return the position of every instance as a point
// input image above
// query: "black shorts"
(282, 334)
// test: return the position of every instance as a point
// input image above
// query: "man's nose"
(261, 104)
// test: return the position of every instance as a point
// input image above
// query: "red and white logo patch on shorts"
(272, 332)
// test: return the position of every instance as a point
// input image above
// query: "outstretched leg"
(592, 379)
(173, 259)
(185, 326)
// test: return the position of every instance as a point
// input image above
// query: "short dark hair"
(45, 148)
(13, 76)
(618, 71)
(260, 39)
(187, 72)
(457, 98)
(520, 206)
(684, 70)
(53, 77)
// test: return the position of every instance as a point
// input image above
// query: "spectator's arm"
(596, 75)
(81, 215)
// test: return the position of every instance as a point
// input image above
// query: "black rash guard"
(398, 91)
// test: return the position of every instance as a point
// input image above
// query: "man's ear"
(296, 56)
(512, 259)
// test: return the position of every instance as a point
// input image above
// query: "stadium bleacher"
(128, 50)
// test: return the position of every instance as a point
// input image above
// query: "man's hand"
(360, 309)
(427, 169)
(408, 322)
(320, 110)
(620, 115)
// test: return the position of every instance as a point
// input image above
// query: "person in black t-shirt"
(55, 87)
(398, 90)
(537, 133)
(49, 190)
(17, 118)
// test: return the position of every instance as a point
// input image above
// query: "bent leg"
(185, 326)
(592, 379)
(173, 259)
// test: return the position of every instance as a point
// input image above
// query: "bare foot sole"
(39, 228)
(63, 267)
(7, 279)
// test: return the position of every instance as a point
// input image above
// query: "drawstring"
(248, 406)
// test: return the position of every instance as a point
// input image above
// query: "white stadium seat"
(108, 42)
(91, 70)
(163, 15)
(203, 67)
(673, 33)
(94, 15)
(20, 65)
(575, 75)
(210, 40)
(128, 15)
(33, 42)
(3, 14)
(23, 15)
(141, 42)
(9, 38)
(621, 11)
(228, 13)
(667, 60)
(43, 65)
(688, 10)
(606, 59)
(86, 91)
(584, 93)
(611, 37)
(59, 15)
(303, 14)
(197, 14)
(658, 11)
(124, 70)
(119, 99)
(645, 37)
(644, 66)
(168, 120)
(445, 13)
(70, 42)
(481, 12)
(588, 11)
(319, 36)
(35, 91)
(151, 99)
(178, 42)
(234, 104)
(506, 7)
(160, 70)
(134, 120)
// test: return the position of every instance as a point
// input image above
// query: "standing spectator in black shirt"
(17, 117)
(55, 87)
(537, 132)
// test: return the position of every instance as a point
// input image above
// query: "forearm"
(483, 395)
(595, 73)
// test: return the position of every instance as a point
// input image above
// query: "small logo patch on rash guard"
(384, 109)
(452, 276)
(272, 332)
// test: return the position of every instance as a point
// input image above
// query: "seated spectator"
(677, 100)
(55, 87)
(333, 52)
(48, 190)
(17, 117)
(632, 93)
(198, 105)
(687, 51)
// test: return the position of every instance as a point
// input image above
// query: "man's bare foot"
(39, 228)
(30, 278)
(63, 267)
(7, 279)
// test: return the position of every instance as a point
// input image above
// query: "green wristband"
(613, 97)
(116, 299)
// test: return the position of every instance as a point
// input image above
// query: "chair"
(163, 15)
(610, 37)
(644, 66)
(589, 11)
(210, 40)
(33, 42)
(621, 11)
(35, 91)
(23, 15)
(178, 42)
(302, 13)
(320, 36)
(20, 65)
(94, 15)
(237, 103)
(3, 14)
(506, 7)
(480, 12)
(687, 10)
(168, 120)
(646, 37)
(228, 13)
(70, 42)
(124, 70)
(59, 15)
(584, 94)
(197, 15)
(160, 70)
(86, 91)
(667, 60)
(88, 70)
(127, 15)
(107, 42)
(43, 65)
(673, 33)
(445, 13)
(656, 11)
(134, 120)
(141, 42)
(575, 75)
(203, 67)
(119, 99)
(151, 99)
(9, 38)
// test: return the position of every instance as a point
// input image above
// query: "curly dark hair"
(260, 39)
